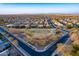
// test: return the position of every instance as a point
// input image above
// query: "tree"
(74, 35)
(65, 50)
(69, 26)
(75, 51)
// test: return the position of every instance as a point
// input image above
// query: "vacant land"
(38, 37)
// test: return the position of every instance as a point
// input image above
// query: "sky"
(38, 8)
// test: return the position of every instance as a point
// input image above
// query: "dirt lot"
(37, 37)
